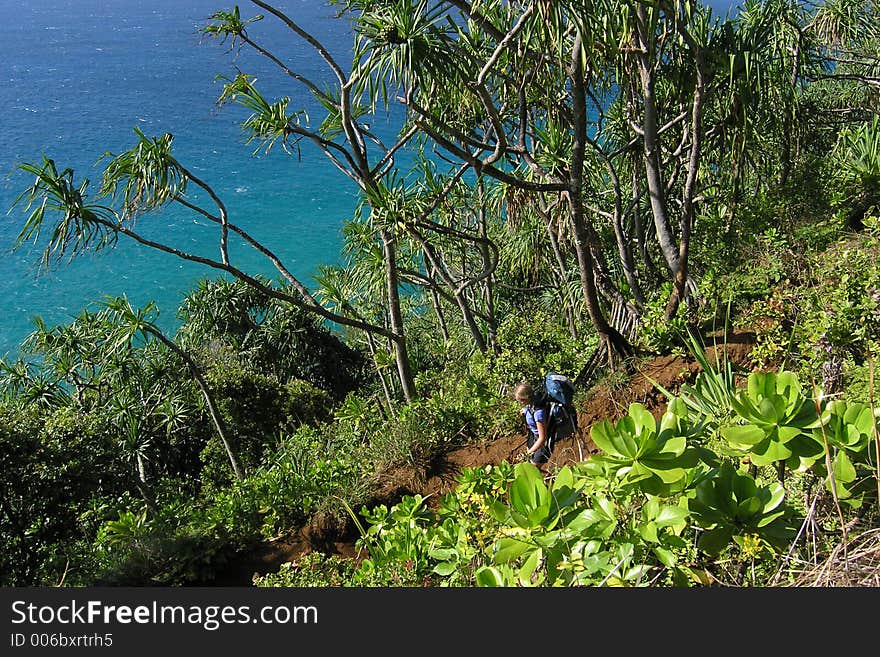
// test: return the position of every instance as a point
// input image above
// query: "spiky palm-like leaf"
(229, 25)
(144, 177)
(268, 121)
(82, 225)
(402, 43)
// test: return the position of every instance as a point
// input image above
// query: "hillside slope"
(606, 400)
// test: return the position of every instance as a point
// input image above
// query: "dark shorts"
(542, 455)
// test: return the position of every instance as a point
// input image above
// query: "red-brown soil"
(606, 400)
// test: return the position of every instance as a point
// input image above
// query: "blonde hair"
(523, 392)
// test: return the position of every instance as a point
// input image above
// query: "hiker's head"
(523, 393)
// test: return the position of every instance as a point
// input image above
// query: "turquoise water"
(79, 76)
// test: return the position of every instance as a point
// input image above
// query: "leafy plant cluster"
(658, 504)
(826, 308)
(588, 179)
(148, 494)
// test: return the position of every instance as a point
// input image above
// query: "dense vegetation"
(593, 183)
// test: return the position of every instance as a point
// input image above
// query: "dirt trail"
(604, 402)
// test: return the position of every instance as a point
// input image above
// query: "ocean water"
(76, 78)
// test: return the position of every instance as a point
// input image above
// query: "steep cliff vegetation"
(588, 186)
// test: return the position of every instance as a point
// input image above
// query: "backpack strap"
(561, 419)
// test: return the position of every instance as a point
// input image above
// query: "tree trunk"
(679, 289)
(562, 272)
(401, 355)
(488, 282)
(651, 142)
(626, 259)
(213, 411)
(371, 345)
(613, 340)
(464, 304)
(438, 309)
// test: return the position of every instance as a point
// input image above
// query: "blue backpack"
(561, 413)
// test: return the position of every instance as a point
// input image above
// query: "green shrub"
(313, 569)
(172, 549)
(657, 333)
(257, 408)
(533, 342)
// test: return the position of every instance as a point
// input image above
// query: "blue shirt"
(533, 416)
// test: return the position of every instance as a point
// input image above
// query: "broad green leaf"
(843, 469)
(715, 540)
(698, 576)
(648, 531)
(644, 421)
(651, 508)
(544, 515)
(583, 520)
(777, 495)
(768, 412)
(672, 448)
(744, 486)
(670, 515)
(759, 383)
(591, 522)
(564, 479)
(445, 569)
(861, 417)
(500, 512)
(565, 491)
(747, 434)
(528, 491)
(787, 433)
(769, 519)
(769, 452)
(608, 508)
(509, 549)
(635, 573)
(529, 566)
(788, 385)
(601, 433)
(489, 577)
(666, 557)
(748, 509)
(666, 474)
(442, 554)
(613, 441)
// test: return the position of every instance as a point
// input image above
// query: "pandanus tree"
(656, 57)
(116, 365)
(795, 74)
(583, 112)
(343, 136)
(148, 176)
(600, 106)
(695, 101)
(139, 180)
(128, 325)
(359, 288)
(535, 254)
(847, 34)
(420, 48)
(461, 257)
(452, 254)
(490, 82)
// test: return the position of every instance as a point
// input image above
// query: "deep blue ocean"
(79, 75)
(76, 78)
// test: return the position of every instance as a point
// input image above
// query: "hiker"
(536, 417)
